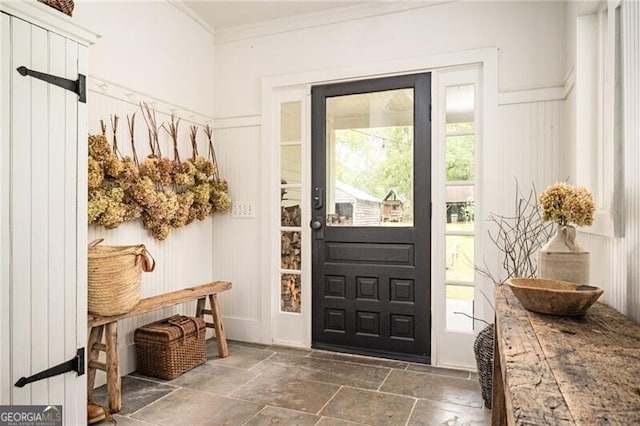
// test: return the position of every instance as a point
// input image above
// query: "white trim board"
(113, 90)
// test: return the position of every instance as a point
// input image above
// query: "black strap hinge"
(78, 86)
(74, 364)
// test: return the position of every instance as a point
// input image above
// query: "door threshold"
(421, 359)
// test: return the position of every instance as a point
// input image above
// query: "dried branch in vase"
(518, 238)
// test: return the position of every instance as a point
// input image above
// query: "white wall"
(152, 47)
(529, 56)
(153, 51)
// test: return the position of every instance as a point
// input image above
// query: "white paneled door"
(43, 220)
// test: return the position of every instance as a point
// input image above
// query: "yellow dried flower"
(98, 203)
(161, 231)
(99, 147)
(112, 216)
(113, 166)
(95, 174)
(149, 168)
(188, 168)
(222, 201)
(222, 185)
(184, 179)
(565, 204)
(130, 173)
(201, 193)
(199, 211)
(181, 218)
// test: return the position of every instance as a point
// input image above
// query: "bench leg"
(113, 368)
(221, 336)
(200, 307)
(95, 337)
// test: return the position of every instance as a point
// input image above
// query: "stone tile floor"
(268, 385)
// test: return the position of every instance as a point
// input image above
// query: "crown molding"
(293, 23)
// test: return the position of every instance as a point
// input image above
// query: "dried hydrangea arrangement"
(166, 193)
(565, 204)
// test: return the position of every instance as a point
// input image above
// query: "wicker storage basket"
(114, 274)
(483, 349)
(64, 6)
(165, 349)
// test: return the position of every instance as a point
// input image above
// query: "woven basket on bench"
(114, 274)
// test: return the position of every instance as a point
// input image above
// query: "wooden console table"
(551, 370)
(99, 325)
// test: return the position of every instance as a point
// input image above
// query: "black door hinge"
(74, 364)
(78, 86)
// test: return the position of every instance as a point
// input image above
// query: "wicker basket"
(64, 6)
(166, 349)
(483, 349)
(114, 274)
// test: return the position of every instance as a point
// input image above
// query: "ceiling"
(221, 15)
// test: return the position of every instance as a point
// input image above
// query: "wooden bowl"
(554, 297)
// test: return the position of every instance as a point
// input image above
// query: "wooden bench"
(552, 370)
(108, 326)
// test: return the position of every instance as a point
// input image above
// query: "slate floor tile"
(239, 357)
(369, 407)
(322, 370)
(287, 392)
(193, 408)
(432, 413)
(136, 393)
(282, 416)
(436, 388)
(214, 378)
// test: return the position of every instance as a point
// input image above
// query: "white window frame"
(454, 348)
(599, 151)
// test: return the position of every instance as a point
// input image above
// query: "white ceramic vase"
(563, 259)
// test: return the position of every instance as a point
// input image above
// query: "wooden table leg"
(95, 337)
(498, 408)
(113, 368)
(221, 336)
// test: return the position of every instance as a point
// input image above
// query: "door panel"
(371, 207)
(42, 217)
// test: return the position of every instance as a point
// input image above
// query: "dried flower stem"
(114, 129)
(149, 115)
(131, 125)
(173, 132)
(194, 145)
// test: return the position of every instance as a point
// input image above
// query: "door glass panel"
(460, 258)
(290, 122)
(290, 164)
(290, 292)
(290, 207)
(370, 159)
(459, 308)
(460, 208)
(290, 250)
(460, 153)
